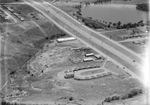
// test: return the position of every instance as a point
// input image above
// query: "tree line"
(102, 1)
(130, 94)
(143, 7)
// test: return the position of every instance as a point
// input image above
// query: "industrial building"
(88, 59)
(89, 54)
(65, 39)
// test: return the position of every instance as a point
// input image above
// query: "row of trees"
(9, 1)
(102, 1)
(10, 103)
(14, 103)
(131, 94)
(118, 25)
(143, 7)
(104, 24)
(41, 42)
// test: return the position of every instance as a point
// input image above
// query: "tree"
(114, 24)
(119, 23)
(110, 23)
(143, 7)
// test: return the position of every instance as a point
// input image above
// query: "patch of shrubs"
(143, 7)
(112, 98)
(9, 103)
(41, 42)
(131, 94)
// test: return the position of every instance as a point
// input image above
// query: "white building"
(88, 59)
(66, 39)
(89, 54)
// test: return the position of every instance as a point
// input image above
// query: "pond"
(114, 13)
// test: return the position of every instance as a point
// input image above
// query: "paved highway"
(101, 44)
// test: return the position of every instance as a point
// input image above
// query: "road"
(117, 53)
(3, 70)
(9, 14)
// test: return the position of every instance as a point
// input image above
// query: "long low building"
(78, 75)
(66, 39)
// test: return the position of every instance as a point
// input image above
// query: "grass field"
(67, 8)
(2, 29)
(24, 8)
(116, 35)
(135, 48)
(15, 29)
(32, 35)
(27, 25)
(92, 72)
(15, 39)
(116, 69)
(2, 20)
(43, 84)
(94, 91)
(35, 32)
(50, 29)
(12, 64)
(18, 43)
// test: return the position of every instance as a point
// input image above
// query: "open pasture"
(135, 48)
(116, 35)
